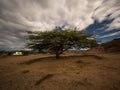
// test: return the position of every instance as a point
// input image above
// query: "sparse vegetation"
(2, 53)
(59, 41)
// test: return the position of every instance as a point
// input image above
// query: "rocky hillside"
(108, 47)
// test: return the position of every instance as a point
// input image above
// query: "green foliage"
(2, 52)
(59, 41)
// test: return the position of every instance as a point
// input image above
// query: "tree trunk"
(57, 56)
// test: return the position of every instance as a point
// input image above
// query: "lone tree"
(59, 41)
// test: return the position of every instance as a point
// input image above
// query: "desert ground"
(70, 72)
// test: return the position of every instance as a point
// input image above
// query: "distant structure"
(18, 53)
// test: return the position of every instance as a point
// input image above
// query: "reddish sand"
(76, 72)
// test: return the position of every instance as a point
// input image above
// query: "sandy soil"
(76, 72)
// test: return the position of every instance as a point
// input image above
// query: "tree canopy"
(59, 41)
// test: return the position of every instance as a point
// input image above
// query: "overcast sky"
(18, 16)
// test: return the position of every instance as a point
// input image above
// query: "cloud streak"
(18, 16)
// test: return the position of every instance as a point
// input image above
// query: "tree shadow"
(52, 58)
(38, 60)
(84, 56)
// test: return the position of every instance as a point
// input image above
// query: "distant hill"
(108, 47)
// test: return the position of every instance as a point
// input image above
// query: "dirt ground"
(70, 72)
